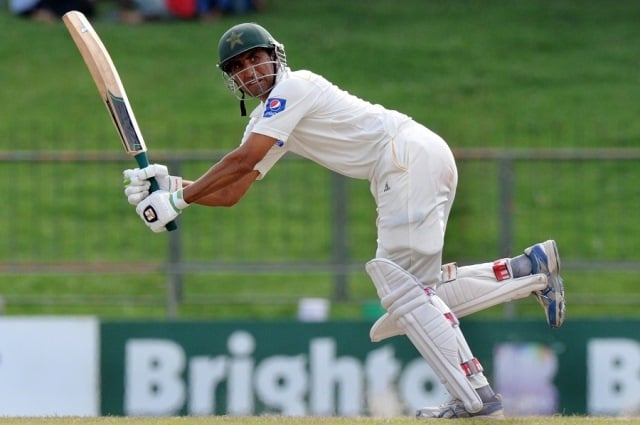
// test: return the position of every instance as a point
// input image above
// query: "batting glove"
(136, 183)
(160, 208)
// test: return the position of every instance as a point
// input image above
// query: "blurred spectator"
(136, 11)
(211, 10)
(50, 10)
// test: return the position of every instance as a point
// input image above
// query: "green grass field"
(491, 74)
(268, 420)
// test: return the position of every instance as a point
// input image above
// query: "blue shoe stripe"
(552, 314)
(542, 256)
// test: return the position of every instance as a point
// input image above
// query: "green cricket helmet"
(243, 37)
(240, 39)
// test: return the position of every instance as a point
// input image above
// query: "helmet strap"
(243, 108)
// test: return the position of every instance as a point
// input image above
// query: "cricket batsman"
(413, 179)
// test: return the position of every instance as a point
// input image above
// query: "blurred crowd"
(136, 11)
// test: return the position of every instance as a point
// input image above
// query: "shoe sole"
(494, 410)
(498, 414)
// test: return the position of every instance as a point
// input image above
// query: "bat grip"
(143, 162)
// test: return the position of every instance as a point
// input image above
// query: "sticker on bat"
(126, 128)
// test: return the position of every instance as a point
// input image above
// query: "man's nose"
(247, 71)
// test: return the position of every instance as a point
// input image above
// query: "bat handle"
(143, 162)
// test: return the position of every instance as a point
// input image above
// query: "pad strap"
(501, 270)
(472, 367)
(449, 272)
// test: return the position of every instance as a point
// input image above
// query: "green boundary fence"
(65, 215)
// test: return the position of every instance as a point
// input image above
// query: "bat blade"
(107, 80)
(105, 75)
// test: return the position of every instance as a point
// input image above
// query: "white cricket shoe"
(454, 409)
(545, 259)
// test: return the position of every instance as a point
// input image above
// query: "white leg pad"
(475, 288)
(426, 327)
(384, 328)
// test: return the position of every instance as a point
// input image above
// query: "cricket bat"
(105, 75)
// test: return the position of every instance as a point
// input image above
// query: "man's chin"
(255, 91)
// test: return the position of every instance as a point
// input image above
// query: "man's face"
(254, 72)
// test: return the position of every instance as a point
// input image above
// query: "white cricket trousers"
(414, 187)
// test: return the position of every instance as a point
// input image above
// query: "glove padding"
(160, 208)
(137, 184)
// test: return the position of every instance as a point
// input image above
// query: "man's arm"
(229, 195)
(228, 180)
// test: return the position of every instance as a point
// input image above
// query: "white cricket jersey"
(317, 120)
